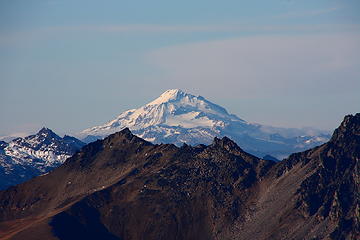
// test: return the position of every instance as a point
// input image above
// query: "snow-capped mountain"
(173, 108)
(179, 117)
(24, 158)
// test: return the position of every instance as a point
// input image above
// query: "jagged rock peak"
(349, 128)
(47, 132)
(126, 131)
(124, 134)
(226, 143)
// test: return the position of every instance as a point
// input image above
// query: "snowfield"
(179, 117)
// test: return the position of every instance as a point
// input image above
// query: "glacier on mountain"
(179, 117)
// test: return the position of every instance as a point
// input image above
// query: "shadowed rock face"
(126, 188)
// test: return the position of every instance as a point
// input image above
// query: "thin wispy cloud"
(152, 28)
(148, 29)
(310, 13)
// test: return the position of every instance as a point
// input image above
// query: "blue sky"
(69, 65)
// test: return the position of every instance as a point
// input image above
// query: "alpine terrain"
(124, 187)
(25, 158)
(178, 117)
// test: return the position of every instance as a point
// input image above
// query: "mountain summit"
(179, 117)
(25, 158)
(174, 108)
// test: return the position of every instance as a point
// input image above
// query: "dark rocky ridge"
(123, 187)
